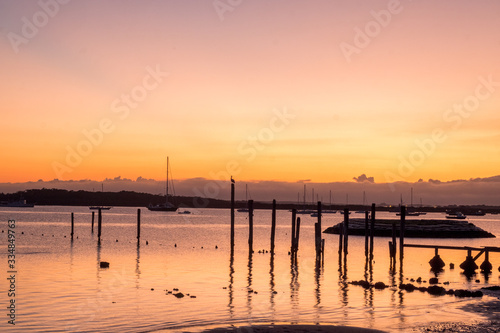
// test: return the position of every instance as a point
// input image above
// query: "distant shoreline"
(58, 197)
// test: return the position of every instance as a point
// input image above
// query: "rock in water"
(179, 295)
(104, 264)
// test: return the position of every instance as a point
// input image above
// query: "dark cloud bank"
(433, 192)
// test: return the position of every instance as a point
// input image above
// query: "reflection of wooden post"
(402, 233)
(273, 226)
(294, 214)
(250, 225)
(99, 225)
(346, 230)
(72, 225)
(93, 213)
(138, 224)
(232, 215)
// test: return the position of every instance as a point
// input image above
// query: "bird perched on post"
(232, 180)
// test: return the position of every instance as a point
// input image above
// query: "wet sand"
(292, 329)
(489, 309)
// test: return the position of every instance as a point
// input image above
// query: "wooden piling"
(366, 233)
(394, 244)
(232, 215)
(93, 214)
(250, 225)
(319, 214)
(72, 225)
(372, 229)
(138, 224)
(273, 226)
(402, 234)
(99, 225)
(294, 214)
(341, 240)
(322, 250)
(346, 230)
(297, 235)
(317, 240)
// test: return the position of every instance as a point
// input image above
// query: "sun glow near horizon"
(205, 91)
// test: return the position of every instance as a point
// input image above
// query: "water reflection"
(272, 285)
(294, 288)
(231, 281)
(137, 266)
(249, 285)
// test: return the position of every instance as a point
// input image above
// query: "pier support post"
(394, 244)
(402, 234)
(273, 226)
(318, 231)
(372, 230)
(486, 266)
(138, 224)
(346, 230)
(232, 214)
(366, 233)
(93, 214)
(250, 225)
(341, 239)
(72, 225)
(297, 235)
(294, 214)
(99, 225)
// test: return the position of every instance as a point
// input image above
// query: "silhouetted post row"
(273, 226)
(346, 230)
(72, 225)
(232, 213)
(402, 233)
(138, 224)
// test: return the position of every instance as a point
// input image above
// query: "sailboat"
(410, 211)
(167, 206)
(330, 211)
(346, 204)
(244, 210)
(364, 204)
(100, 207)
(304, 210)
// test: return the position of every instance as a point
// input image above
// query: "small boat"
(342, 212)
(329, 211)
(166, 206)
(315, 214)
(244, 210)
(478, 213)
(306, 211)
(184, 212)
(100, 207)
(457, 216)
(18, 204)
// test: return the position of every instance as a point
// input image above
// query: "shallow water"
(60, 287)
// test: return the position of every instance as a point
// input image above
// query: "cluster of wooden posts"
(99, 225)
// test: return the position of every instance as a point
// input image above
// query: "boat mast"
(166, 198)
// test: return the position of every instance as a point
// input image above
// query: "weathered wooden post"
(250, 225)
(372, 229)
(402, 234)
(394, 244)
(346, 230)
(232, 213)
(138, 224)
(273, 226)
(294, 214)
(366, 233)
(319, 226)
(99, 225)
(297, 235)
(341, 240)
(72, 225)
(317, 240)
(93, 213)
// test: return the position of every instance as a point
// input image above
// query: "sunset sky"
(276, 90)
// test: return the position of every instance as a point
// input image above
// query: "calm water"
(60, 287)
